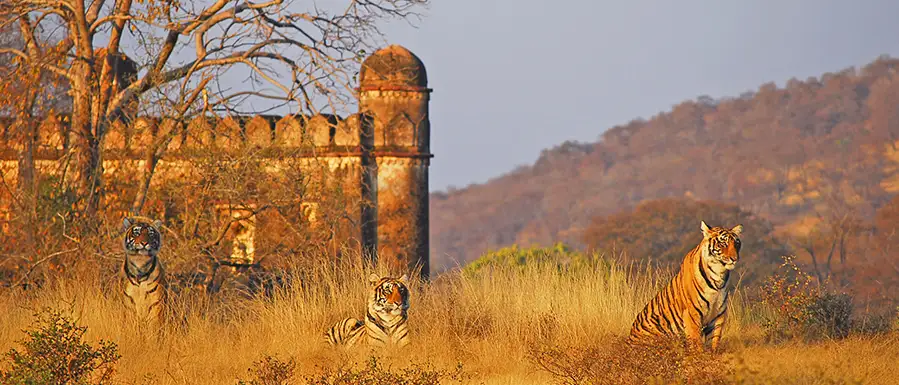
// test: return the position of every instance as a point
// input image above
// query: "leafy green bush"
(55, 354)
(560, 255)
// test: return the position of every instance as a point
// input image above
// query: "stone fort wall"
(377, 159)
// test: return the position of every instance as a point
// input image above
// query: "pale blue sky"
(512, 77)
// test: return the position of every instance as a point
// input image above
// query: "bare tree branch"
(121, 58)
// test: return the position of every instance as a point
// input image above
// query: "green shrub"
(560, 255)
(55, 354)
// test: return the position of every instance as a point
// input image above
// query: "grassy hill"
(802, 157)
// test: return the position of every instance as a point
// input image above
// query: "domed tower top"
(393, 68)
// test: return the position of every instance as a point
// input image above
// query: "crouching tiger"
(144, 275)
(385, 321)
(694, 304)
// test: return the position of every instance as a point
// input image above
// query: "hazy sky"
(512, 77)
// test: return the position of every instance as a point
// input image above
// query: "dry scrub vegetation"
(535, 324)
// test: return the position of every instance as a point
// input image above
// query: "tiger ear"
(374, 278)
(705, 229)
(737, 229)
(126, 223)
(404, 279)
(157, 224)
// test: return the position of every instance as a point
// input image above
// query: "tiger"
(144, 283)
(694, 303)
(386, 320)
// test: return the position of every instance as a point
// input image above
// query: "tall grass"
(488, 322)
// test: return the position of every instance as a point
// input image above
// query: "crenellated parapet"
(51, 140)
(318, 135)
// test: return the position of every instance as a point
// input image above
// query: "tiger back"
(694, 303)
(143, 273)
(385, 322)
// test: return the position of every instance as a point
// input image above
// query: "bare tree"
(158, 148)
(26, 92)
(839, 222)
(299, 54)
(808, 242)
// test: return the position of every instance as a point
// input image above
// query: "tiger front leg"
(693, 332)
(717, 330)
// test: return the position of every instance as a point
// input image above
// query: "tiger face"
(389, 297)
(142, 237)
(723, 245)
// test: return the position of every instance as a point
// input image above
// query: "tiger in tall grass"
(386, 319)
(694, 304)
(144, 275)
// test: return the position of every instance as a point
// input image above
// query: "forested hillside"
(816, 158)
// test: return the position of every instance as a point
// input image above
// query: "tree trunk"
(26, 186)
(26, 182)
(843, 249)
(833, 246)
(811, 252)
(88, 167)
(843, 258)
(151, 158)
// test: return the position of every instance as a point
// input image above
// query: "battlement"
(319, 135)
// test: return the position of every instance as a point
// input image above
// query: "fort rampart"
(376, 158)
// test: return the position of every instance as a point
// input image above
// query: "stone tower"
(394, 95)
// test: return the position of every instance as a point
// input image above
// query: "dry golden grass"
(487, 322)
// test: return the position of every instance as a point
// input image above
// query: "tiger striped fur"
(385, 321)
(694, 303)
(144, 274)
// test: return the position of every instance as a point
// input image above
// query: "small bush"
(830, 315)
(271, 371)
(560, 255)
(800, 308)
(373, 373)
(55, 354)
(871, 324)
(788, 293)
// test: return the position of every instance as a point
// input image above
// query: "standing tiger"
(695, 301)
(144, 276)
(385, 321)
